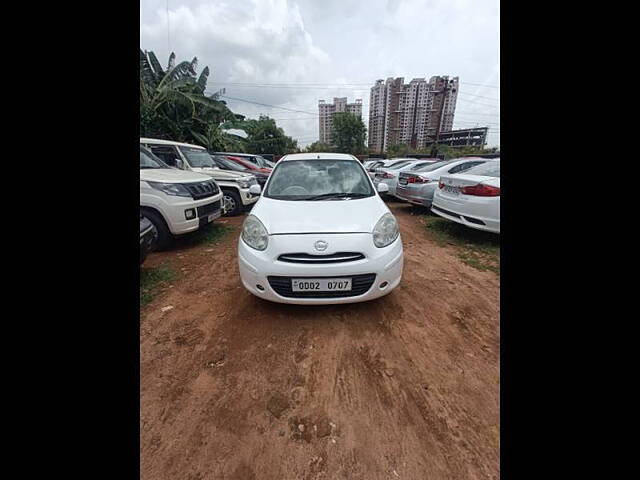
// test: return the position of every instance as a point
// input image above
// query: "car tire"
(165, 237)
(233, 202)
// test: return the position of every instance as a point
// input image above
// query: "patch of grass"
(151, 278)
(212, 233)
(478, 249)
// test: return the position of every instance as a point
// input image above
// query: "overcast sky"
(331, 42)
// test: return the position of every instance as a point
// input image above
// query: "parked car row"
(464, 190)
(319, 233)
(183, 187)
(471, 198)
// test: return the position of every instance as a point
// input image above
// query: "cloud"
(330, 42)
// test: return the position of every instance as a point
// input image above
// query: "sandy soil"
(406, 386)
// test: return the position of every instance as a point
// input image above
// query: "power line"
(312, 113)
(479, 96)
(477, 103)
(266, 105)
(481, 85)
(477, 114)
(284, 84)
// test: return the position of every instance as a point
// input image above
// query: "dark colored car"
(255, 170)
(257, 160)
(148, 237)
(225, 163)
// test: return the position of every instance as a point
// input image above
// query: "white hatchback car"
(320, 234)
(471, 198)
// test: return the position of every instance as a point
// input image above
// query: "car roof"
(168, 142)
(238, 154)
(318, 156)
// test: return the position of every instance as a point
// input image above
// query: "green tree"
(318, 147)
(173, 104)
(400, 150)
(349, 133)
(264, 136)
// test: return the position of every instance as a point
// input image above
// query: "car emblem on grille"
(321, 245)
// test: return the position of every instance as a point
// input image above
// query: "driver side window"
(167, 153)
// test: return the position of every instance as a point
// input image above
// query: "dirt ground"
(406, 386)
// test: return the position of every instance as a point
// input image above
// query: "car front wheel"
(165, 237)
(232, 202)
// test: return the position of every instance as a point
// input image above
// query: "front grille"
(339, 257)
(199, 190)
(208, 208)
(360, 284)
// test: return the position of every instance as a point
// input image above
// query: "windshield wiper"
(336, 195)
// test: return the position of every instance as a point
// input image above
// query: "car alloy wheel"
(229, 204)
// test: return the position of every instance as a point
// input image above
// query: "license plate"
(402, 181)
(213, 216)
(452, 190)
(320, 284)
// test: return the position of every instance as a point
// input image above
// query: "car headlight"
(171, 188)
(386, 231)
(254, 234)
(244, 182)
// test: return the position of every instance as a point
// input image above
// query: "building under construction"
(469, 137)
(413, 114)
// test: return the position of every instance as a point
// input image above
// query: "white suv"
(175, 201)
(234, 185)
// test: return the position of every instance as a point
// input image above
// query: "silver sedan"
(418, 186)
(389, 175)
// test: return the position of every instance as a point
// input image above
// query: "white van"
(175, 201)
(235, 185)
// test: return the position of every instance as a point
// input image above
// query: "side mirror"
(255, 189)
(179, 164)
(383, 188)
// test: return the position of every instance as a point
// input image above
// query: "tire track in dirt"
(408, 383)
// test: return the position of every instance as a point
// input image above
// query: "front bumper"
(385, 263)
(174, 212)
(247, 198)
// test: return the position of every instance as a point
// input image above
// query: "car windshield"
(260, 161)
(398, 165)
(149, 160)
(489, 169)
(396, 162)
(434, 166)
(198, 157)
(420, 165)
(230, 165)
(318, 180)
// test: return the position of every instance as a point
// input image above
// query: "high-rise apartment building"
(327, 110)
(414, 113)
